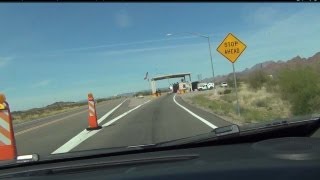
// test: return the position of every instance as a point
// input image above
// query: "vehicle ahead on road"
(140, 96)
(71, 82)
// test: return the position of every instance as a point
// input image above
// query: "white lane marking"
(124, 114)
(110, 112)
(57, 120)
(193, 114)
(75, 141)
(48, 123)
(41, 119)
(83, 135)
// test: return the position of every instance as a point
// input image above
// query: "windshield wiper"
(143, 146)
(234, 134)
(223, 135)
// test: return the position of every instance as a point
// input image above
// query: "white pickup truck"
(210, 85)
(202, 86)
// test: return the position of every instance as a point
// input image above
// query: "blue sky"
(59, 52)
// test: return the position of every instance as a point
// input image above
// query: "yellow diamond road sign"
(231, 48)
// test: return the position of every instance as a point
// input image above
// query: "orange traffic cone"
(8, 150)
(93, 121)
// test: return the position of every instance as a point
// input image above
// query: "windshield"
(78, 77)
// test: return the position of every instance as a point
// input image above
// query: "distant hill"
(272, 67)
(54, 108)
(130, 94)
(59, 104)
(56, 105)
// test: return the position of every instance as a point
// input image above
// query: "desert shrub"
(227, 91)
(257, 79)
(301, 87)
(260, 103)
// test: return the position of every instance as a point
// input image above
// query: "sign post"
(231, 48)
(235, 86)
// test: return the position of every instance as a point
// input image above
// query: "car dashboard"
(280, 158)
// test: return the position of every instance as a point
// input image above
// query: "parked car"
(202, 86)
(224, 84)
(210, 85)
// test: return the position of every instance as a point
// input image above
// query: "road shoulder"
(214, 119)
(185, 98)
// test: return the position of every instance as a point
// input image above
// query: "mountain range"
(272, 67)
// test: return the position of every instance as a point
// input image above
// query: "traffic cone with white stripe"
(8, 150)
(93, 120)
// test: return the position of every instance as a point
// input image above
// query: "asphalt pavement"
(125, 122)
(157, 121)
(44, 136)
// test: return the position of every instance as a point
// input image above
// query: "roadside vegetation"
(290, 92)
(53, 109)
(143, 93)
(36, 113)
(149, 93)
(255, 105)
(299, 86)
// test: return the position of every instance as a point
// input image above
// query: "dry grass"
(27, 116)
(50, 110)
(269, 105)
(255, 106)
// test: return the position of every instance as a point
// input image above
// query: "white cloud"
(42, 83)
(123, 19)
(125, 44)
(104, 46)
(137, 50)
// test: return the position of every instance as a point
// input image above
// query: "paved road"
(158, 121)
(45, 135)
(141, 121)
(126, 122)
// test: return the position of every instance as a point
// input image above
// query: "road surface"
(125, 122)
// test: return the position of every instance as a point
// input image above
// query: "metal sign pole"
(235, 85)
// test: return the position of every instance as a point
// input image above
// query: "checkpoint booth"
(182, 87)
